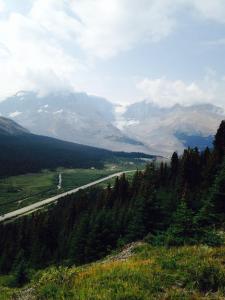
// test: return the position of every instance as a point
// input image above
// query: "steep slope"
(23, 152)
(9, 127)
(74, 117)
(138, 272)
(174, 128)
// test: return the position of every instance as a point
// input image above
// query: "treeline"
(178, 203)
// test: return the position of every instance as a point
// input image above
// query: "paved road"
(38, 205)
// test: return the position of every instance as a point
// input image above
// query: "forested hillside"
(176, 204)
(25, 153)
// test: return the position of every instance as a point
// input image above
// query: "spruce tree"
(219, 142)
(77, 250)
(217, 195)
(182, 228)
(174, 165)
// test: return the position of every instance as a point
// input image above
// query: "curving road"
(30, 208)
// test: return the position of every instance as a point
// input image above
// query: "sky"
(164, 51)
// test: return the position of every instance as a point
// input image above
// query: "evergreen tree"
(21, 275)
(77, 249)
(216, 196)
(205, 156)
(174, 165)
(191, 168)
(219, 142)
(182, 229)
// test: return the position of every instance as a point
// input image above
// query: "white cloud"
(50, 47)
(165, 92)
(32, 57)
(209, 9)
(2, 6)
(109, 27)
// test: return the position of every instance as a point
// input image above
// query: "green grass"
(185, 273)
(17, 191)
(22, 190)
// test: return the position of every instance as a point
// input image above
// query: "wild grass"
(193, 272)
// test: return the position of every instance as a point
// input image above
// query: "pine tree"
(216, 195)
(174, 165)
(182, 228)
(191, 168)
(79, 241)
(219, 142)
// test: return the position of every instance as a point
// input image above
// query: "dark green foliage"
(182, 229)
(177, 204)
(191, 168)
(219, 142)
(208, 277)
(31, 153)
(174, 165)
(217, 194)
(20, 274)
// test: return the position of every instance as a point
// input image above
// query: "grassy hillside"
(139, 272)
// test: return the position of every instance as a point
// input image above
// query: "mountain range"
(94, 121)
(172, 128)
(71, 117)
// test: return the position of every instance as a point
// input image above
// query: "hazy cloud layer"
(59, 44)
(167, 93)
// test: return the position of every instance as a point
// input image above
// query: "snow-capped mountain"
(172, 128)
(90, 120)
(75, 117)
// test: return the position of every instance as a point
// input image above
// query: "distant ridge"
(90, 120)
(9, 127)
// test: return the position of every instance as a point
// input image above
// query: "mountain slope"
(173, 128)
(23, 152)
(74, 117)
(139, 271)
(9, 127)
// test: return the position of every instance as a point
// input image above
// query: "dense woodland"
(178, 203)
(28, 153)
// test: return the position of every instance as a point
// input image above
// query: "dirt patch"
(126, 252)
(26, 294)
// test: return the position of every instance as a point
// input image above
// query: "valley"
(109, 216)
(23, 190)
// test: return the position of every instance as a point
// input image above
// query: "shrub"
(208, 276)
(212, 238)
(21, 275)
